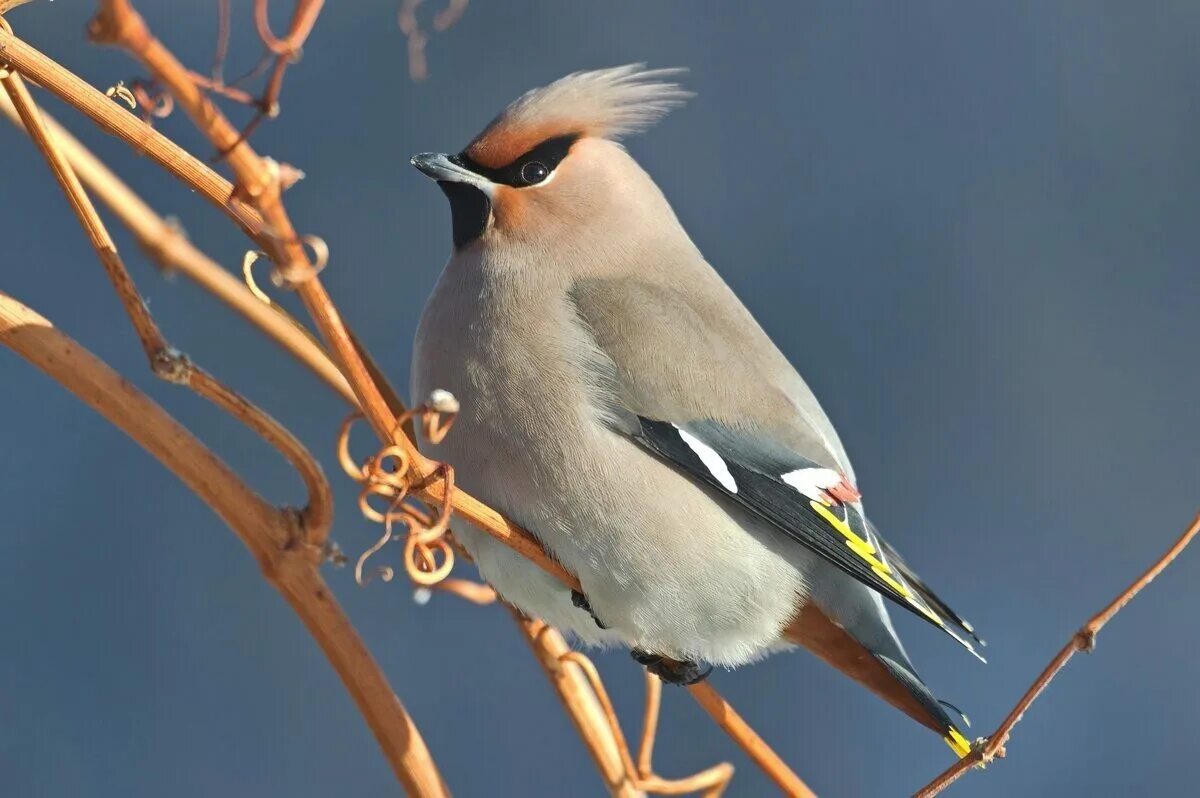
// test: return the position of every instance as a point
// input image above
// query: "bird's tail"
(894, 682)
(932, 712)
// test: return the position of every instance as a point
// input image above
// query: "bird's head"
(551, 162)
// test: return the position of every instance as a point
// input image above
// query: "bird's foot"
(672, 671)
(581, 601)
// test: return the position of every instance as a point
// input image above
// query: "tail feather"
(892, 681)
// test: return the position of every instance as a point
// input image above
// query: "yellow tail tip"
(960, 745)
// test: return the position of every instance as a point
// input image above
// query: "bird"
(619, 402)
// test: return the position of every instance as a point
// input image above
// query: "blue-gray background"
(971, 225)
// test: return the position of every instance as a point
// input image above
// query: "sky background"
(972, 226)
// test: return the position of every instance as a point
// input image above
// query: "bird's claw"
(670, 670)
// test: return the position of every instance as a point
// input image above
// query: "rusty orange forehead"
(503, 143)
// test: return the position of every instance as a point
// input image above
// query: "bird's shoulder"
(686, 353)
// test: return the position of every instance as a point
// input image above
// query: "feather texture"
(604, 103)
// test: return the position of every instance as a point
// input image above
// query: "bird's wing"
(707, 408)
(789, 496)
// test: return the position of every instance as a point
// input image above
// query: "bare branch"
(124, 125)
(749, 741)
(216, 189)
(165, 361)
(166, 244)
(1083, 640)
(270, 535)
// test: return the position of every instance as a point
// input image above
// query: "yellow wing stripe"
(866, 551)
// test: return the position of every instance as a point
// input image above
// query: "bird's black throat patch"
(469, 211)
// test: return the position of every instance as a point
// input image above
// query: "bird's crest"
(604, 103)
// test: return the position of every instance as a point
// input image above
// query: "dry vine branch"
(271, 535)
(118, 23)
(165, 361)
(115, 120)
(1084, 640)
(406, 19)
(169, 247)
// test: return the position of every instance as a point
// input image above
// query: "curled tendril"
(389, 476)
(121, 92)
(248, 260)
(290, 278)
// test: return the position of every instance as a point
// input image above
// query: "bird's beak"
(445, 169)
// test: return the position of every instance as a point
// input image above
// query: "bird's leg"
(672, 671)
(581, 601)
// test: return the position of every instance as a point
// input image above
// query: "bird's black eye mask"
(527, 170)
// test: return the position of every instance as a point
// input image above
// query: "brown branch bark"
(271, 535)
(1084, 640)
(167, 245)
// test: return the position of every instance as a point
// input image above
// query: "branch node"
(332, 553)
(171, 365)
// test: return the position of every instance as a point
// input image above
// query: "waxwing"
(621, 404)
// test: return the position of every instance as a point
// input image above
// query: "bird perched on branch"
(620, 403)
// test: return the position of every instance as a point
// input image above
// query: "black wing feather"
(789, 510)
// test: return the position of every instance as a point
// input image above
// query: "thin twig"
(166, 244)
(580, 704)
(649, 724)
(754, 746)
(1083, 640)
(165, 361)
(193, 173)
(287, 50)
(114, 119)
(218, 66)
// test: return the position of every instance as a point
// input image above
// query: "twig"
(165, 361)
(410, 26)
(116, 120)
(286, 50)
(1084, 640)
(712, 781)
(754, 746)
(112, 119)
(218, 66)
(170, 249)
(649, 724)
(580, 703)
(269, 534)
(475, 592)
(303, 20)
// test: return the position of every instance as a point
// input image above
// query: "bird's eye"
(534, 172)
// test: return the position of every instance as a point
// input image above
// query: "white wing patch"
(813, 482)
(712, 461)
